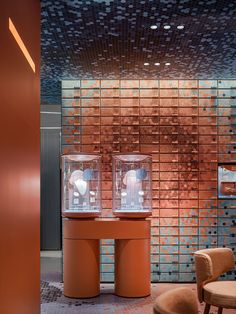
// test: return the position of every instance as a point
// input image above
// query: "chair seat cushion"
(221, 293)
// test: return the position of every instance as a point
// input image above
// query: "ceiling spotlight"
(167, 63)
(167, 26)
(153, 27)
(157, 63)
(146, 63)
(180, 26)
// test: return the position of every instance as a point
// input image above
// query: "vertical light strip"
(21, 44)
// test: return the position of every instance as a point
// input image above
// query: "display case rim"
(72, 156)
(119, 156)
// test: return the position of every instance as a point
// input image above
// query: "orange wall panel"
(19, 159)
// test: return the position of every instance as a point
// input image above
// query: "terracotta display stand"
(81, 215)
(81, 256)
(81, 268)
(132, 268)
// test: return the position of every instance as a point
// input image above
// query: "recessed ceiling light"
(157, 63)
(153, 27)
(146, 63)
(167, 63)
(180, 26)
(167, 26)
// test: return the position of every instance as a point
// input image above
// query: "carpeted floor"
(54, 302)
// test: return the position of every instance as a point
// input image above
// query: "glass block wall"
(189, 127)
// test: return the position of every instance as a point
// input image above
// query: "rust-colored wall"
(19, 160)
(189, 127)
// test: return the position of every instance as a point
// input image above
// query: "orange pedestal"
(81, 268)
(81, 256)
(132, 268)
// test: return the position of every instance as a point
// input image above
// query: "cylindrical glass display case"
(132, 185)
(81, 185)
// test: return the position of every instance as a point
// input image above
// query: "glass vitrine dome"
(132, 185)
(81, 185)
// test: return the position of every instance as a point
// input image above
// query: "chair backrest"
(210, 264)
(176, 301)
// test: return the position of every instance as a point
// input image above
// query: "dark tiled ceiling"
(113, 39)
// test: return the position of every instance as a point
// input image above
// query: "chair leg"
(207, 309)
(220, 310)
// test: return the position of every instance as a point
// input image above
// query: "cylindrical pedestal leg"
(81, 268)
(132, 268)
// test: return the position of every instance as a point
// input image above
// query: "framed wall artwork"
(227, 180)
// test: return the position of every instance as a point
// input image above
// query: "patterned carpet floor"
(54, 302)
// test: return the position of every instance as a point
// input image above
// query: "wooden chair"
(176, 301)
(209, 265)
